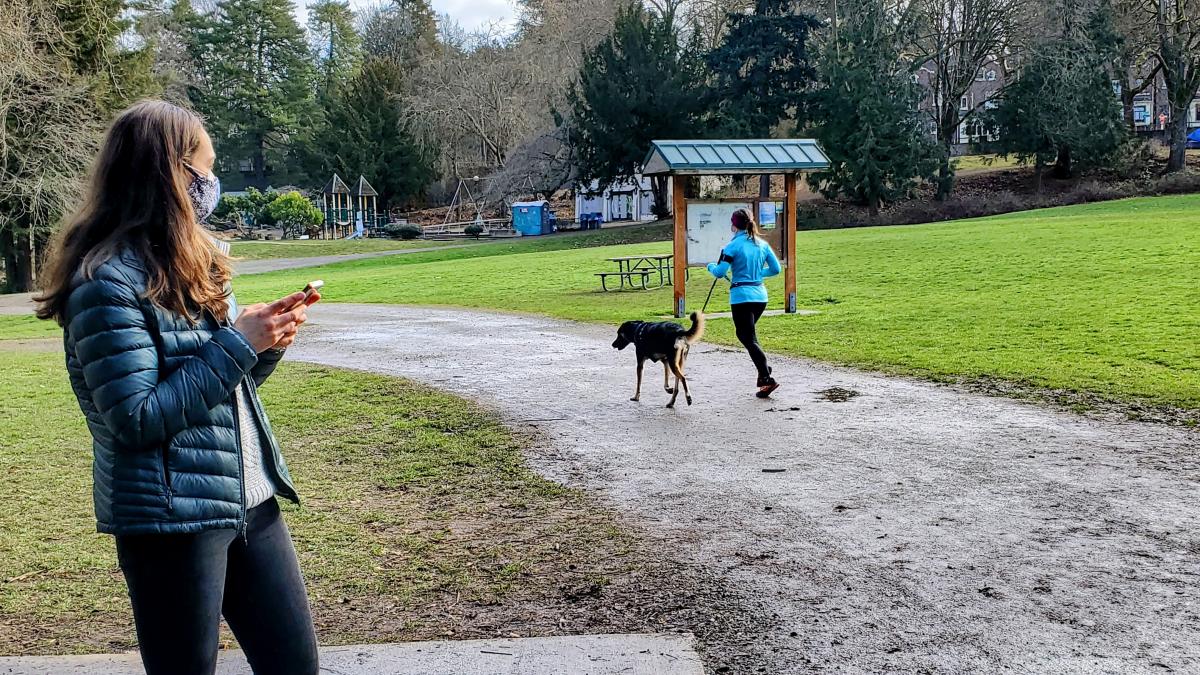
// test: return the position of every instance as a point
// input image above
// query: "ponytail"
(744, 222)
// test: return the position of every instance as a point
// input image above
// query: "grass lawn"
(308, 248)
(420, 518)
(984, 162)
(1100, 298)
(26, 326)
(258, 250)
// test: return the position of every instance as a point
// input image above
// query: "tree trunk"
(947, 126)
(1178, 138)
(1038, 170)
(662, 204)
(260, 163)
(1062, 163)
(18, 262)
(1127, 107)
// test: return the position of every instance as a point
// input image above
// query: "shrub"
(294, 213)
(405, 231)
(1184, 182)
(473, 230)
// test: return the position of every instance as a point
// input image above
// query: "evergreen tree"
(257, 87)
(401, 30)
(1062, 108)
(761, 70)
(366, 135)
(866, 112)
(638, 85)
(336, 45)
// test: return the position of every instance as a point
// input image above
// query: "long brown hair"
(138, 198)
(744, 221)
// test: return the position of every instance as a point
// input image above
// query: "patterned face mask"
(205, 192)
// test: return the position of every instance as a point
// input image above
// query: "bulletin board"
(708, 226)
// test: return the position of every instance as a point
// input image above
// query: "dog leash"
(710, 292)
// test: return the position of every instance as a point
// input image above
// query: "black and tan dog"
(664, 341)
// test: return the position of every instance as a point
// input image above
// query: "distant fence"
(491, 225)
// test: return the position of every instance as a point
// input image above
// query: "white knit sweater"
(259, 487)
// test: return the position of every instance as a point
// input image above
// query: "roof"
(540, 202)
(364, 189)
(771, 155)
(336, 186)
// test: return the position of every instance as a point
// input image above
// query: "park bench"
(626, 276)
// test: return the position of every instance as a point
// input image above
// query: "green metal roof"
(771, 155)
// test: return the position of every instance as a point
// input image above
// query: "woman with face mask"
(166, 371)
(751, 260)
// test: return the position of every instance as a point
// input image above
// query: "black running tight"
(181, 585)
(745, 316)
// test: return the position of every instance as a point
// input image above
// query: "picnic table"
(639, 271)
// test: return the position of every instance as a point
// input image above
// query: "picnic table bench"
(638, 271)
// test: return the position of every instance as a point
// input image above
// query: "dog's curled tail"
(696, 332)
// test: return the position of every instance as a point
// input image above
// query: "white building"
(622, 200)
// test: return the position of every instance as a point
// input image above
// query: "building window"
(965, 103)
(991, 76)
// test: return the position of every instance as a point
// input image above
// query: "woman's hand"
(290, 337)
(265, 325)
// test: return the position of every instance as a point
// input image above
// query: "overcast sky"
(469, 13)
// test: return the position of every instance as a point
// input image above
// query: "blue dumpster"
(532, 218)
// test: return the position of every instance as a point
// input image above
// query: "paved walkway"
(576, 655)
(910, 527)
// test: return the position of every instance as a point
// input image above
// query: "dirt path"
(913, 527)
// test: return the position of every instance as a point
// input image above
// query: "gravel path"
(911, 527)
(274, 264)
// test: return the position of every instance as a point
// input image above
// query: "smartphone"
(312, 287)
(309, 288)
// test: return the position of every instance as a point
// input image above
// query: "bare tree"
(48, 134)
(958, 38)
(1177, 53)
(1134, 67)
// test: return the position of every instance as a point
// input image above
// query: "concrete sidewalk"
(573, 655)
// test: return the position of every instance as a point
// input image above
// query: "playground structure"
(349, 213)
(466, 209)
(702, 226)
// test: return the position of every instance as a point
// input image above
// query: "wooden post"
(789, 274)
(679, 272)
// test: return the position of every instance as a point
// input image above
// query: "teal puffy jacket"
(157, 394)
(752, 261)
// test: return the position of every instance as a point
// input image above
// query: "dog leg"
(637, 394)
(667, 378)
(678, 366)
(675, 393)
(680, 380)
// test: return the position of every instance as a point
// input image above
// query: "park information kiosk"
(702, 226)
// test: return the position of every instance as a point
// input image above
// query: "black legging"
(181, 584)
(745, 316)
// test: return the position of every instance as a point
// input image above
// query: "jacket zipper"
(237, 432)
(166, 449)
(237, 435)
(161, 353)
